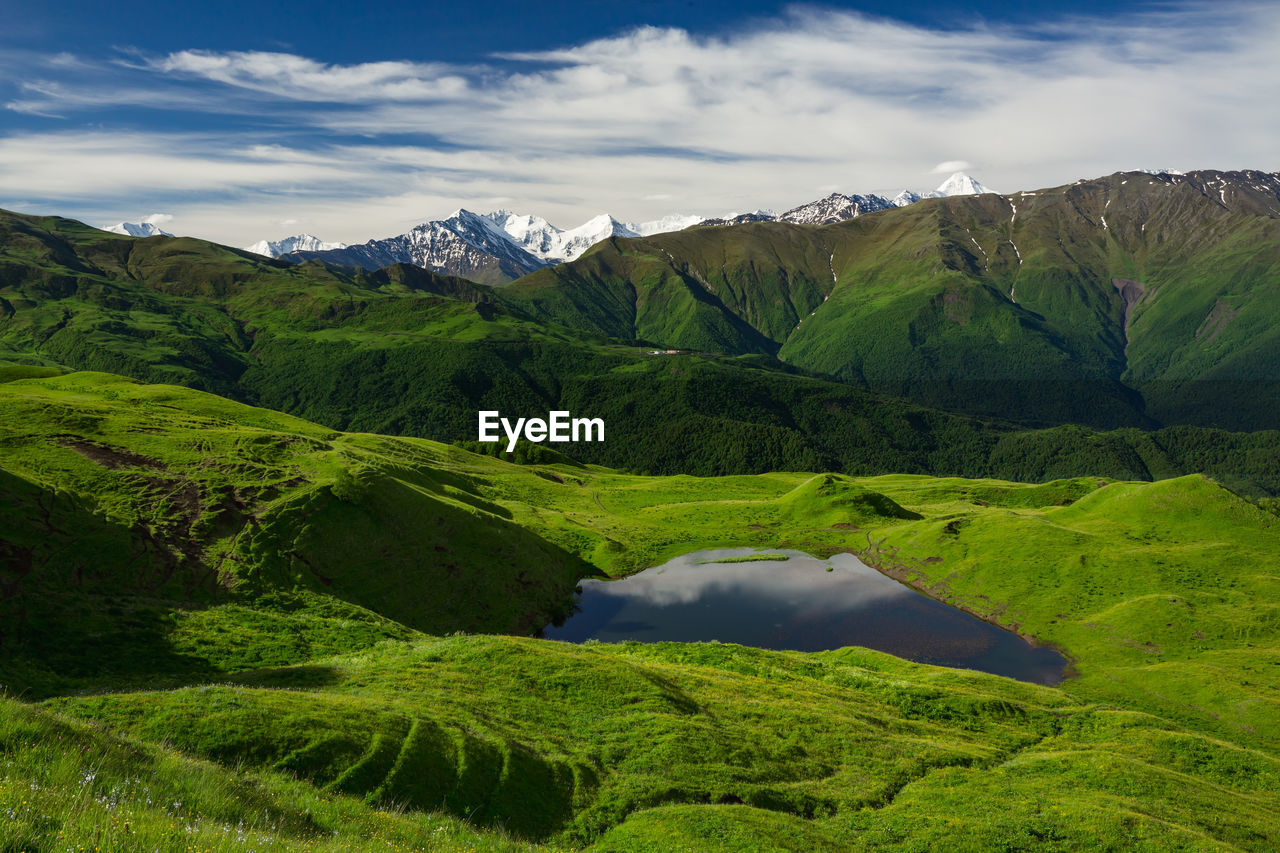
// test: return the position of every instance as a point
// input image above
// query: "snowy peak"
(534, 234)
(835, 208)
(137, 229)
(297, 243)
(674, 222)
(502, 245)
(575, 241)
(760, 215)
(550, 244)
(960, 184)
(491, 247)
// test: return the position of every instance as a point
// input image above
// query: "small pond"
(802, 603)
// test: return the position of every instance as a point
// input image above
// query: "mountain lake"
(791, 600)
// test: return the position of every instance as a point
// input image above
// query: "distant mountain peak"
(960, 184)
(501, 245)
(296, 243)
(137, 229)
(836, 207)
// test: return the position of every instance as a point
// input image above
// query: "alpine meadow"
(290, 534)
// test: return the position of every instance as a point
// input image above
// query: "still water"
(798, 604)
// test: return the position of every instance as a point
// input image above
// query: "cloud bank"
(645, 123)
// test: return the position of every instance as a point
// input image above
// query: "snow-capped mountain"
(761, 215)
(465, 244)
(296, 243)
(497, 247)
(492, 248)
(959, 184)
(835, 208)
(137, 229)
(674, 222)
(548, 243)
(543, 240)
(905, 198)
(838, 207)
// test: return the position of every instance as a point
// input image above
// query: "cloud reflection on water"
(801, 581)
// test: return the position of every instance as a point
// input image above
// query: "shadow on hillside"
(305, 676)
(73, 643)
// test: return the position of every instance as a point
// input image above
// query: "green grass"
(749, 558)
(65, 785)
(259, 592)
(404, 352)
(962, 305)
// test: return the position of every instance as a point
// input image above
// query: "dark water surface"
(798, 604)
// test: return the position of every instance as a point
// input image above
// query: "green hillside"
(404, 352)
(1114, 301)
(251, 610)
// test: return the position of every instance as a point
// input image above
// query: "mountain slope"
(1142, 295)
(407, 352)
(465, 244)
(835, 208)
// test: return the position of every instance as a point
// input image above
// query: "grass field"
(257, 619)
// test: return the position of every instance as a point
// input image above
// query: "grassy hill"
(251, 611)
(404, 352)
(1116, 302)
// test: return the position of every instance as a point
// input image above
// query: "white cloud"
(289, 76)
(158, 218)
(946, 167)
(759, 117)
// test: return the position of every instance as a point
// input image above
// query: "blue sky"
(239, 121)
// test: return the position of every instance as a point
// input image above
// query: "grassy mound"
(831, 499)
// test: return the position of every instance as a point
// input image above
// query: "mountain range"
(498, 247)
(1134, 300)
(297, 243)
(1117, 300)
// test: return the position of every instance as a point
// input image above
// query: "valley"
(260, 585)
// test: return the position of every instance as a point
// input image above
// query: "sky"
(245, 121)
